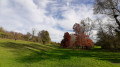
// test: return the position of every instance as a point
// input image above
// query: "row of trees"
(41, 37)
(108, 34)
(108, 38)
(79, 39)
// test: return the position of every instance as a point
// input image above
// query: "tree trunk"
(117, 22)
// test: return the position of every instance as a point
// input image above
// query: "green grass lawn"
(28, 54)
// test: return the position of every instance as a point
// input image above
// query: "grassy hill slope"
(29, 54)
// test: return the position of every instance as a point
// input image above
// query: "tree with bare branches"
(110, 8)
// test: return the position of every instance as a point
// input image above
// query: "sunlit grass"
(29, 54)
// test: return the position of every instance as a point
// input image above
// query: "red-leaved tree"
(66, 41)
(82, 40)
(88, 43)
(78, 41)
(77, 28)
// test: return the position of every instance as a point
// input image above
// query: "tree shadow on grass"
(19, 46)
(67, 54)
(113, 60)
(36, 57)
(39, 53)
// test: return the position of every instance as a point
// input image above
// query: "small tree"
(82, 40)
(65, 43)
(33, 35)
(45, 37)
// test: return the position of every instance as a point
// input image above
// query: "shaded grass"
(29, 54)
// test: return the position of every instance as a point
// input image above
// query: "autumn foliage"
(78, 40)
(66, 41)
(82, 40)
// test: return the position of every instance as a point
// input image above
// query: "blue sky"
(55, 16)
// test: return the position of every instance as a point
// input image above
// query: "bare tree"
(33, 32)
(33, 35)
(88, 26)
(110, 8)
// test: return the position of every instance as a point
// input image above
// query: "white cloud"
(74, 14)
(23, 15)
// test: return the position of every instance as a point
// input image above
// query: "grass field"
(28, 54)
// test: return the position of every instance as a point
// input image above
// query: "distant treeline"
(41, 37)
